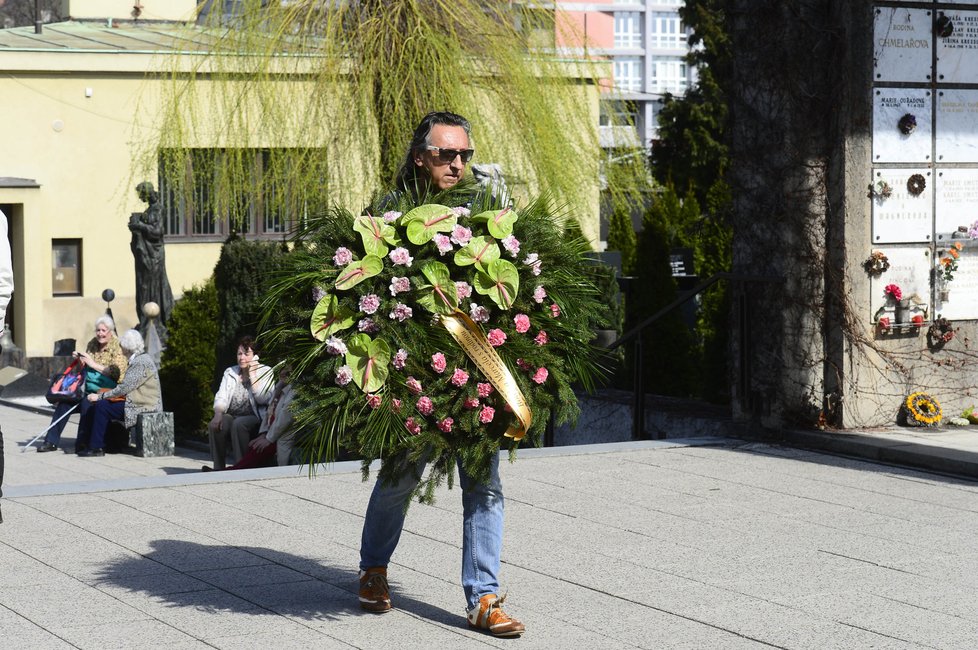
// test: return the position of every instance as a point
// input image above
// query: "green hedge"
(188, 360)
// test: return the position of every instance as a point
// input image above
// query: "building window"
(628, 29)
(666, 30)
(66, 270)
(628, 73)
(618, 113)
(209, 193)
(669, 74)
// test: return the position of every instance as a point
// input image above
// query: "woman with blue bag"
(105, 365)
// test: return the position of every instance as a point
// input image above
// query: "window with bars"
(628, 73)
(209, 193)
(666, 30)
(628, 29)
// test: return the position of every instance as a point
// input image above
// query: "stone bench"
(153, 434)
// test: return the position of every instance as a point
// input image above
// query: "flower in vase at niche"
(949, 262)
(893, 291)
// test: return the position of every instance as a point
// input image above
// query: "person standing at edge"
(6, 289)
(436, 161)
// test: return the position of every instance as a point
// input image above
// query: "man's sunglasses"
(448, 155)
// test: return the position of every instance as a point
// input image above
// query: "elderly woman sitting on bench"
(138, 393)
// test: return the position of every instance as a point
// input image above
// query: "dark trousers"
(53, 436)
(91, 429)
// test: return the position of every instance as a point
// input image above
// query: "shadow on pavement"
(216, 579)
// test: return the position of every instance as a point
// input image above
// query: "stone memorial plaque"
(957, 53)
(909, 270)
(957, 124)
(902, 217)
(962, 291)
(902, 125)
(903, 39)
(956, 198)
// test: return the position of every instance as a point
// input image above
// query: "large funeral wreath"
(442, 330)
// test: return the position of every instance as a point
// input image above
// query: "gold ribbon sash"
(474, 343)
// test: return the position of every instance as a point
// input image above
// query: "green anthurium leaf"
(481, 251)
(499, 222)
(500, 281)
(440, 296)
(425, 221)
(376, 234)
(329, 317)
(369, 359)
(358, 271)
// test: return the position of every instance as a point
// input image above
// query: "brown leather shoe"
(489, 615)
(375, 594)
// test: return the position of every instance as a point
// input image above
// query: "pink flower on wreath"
(401, 312)
(522, 323)
(555, 310)
(462, 211)
(470, 403)
(541, 375)
(400, 357)
(400, 285)
(463, 289)
(539, 294)
(445, 425)
(391, 216)
(370, 303)
(512, 245)
(479, 314)
(438, 363)
(461, 235)
(343, 256)
(335, 346)
(374, 400)
(484, 390)
(414, 385)
(487, 414)
(425, 406)
(413, 426)
(460, 377)
(401, 256)
(523, 365)
(344, 375)
(533, 261)
(397, 404)
(443, 243)
(496, 337)
(541, 338)
(368, 326)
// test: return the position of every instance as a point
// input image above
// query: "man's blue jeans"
(482, 527)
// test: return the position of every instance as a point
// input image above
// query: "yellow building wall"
(83, 136)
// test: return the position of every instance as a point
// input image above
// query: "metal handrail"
(638, 398)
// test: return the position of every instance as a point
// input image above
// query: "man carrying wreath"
(436, 161)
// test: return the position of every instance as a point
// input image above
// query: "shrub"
(187, 365)
(242, 276)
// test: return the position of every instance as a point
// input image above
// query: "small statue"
(152, 284)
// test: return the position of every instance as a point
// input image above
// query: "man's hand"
(215, 423)
(260, 443)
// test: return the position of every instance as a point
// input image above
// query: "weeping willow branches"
(331, 91)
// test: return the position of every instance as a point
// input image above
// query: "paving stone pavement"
(701, 543)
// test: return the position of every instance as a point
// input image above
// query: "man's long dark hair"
(407, 176)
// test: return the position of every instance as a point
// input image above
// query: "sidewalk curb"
(956, 462)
